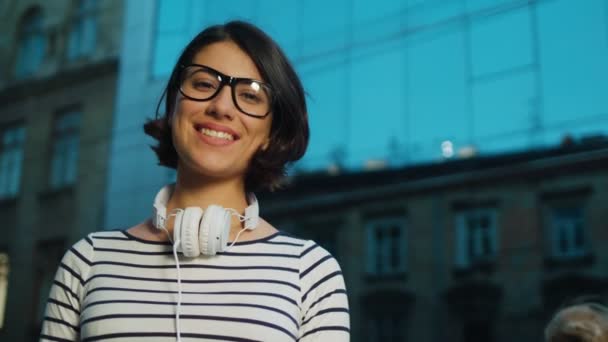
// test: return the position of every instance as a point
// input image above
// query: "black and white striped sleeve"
(62, 315)
(325, 314)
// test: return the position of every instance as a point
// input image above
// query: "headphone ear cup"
(190, 224)
(214, 230)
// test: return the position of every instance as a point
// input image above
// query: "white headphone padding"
(189, 231)
(215, 225)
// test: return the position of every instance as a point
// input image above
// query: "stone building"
(479, 249)
(58, 72)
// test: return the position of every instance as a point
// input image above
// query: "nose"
(221, 105)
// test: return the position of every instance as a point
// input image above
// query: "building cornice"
(67, 77)
(374, 186)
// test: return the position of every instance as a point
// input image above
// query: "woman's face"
(213, 138)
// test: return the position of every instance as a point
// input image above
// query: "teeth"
(216, 134)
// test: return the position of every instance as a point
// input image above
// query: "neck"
(200, 191)
(188, 193)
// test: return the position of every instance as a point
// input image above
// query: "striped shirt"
(114, 286)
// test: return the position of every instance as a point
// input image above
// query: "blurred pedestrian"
(579, 322)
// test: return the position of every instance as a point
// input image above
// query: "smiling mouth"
(216, 134)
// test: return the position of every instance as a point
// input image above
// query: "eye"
(201, 80)
(250, 97)
(203, 85)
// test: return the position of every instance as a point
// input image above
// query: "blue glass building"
(389, 83)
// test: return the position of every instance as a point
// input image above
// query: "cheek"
(182, 109)
(178, 135)
(179, 118)
(174, 121)
(262, 140)
(265, 130)
(258, 130)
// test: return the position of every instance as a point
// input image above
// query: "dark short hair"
(289, 132)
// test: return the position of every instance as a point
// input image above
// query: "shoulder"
(280, 237)
(85, 247)
(95, 238)
(92, 238)
(313, 257)
(80, 257)
(321, 277)
(316, 259)
(308, 250)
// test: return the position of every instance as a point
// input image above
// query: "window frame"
(72, 132)
(465, 258)
(552, 231)
(372, 249)
(31, 44)
(84, 12)
(13, 183)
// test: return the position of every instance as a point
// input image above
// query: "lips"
(216, 133)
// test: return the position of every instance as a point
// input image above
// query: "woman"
(235, 115)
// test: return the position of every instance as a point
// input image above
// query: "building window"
(386, 246)
(4, 269)
(32, 44)
(11, 159)
(64, 156)
(475, 237)
(567, 232)
(387, 327)
(83, 30)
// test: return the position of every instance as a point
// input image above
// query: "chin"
(213, 165)
(218, 169)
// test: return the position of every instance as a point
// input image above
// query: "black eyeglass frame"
(229, 81)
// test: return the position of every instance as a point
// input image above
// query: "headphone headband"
(252, 212)
(159, 213)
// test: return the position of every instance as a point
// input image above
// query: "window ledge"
(485, 268)
(66, 190)
(377, 278)
(582, 260)
(18, 89)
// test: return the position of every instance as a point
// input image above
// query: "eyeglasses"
(202, 83)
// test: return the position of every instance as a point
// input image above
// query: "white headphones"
(199, 231)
